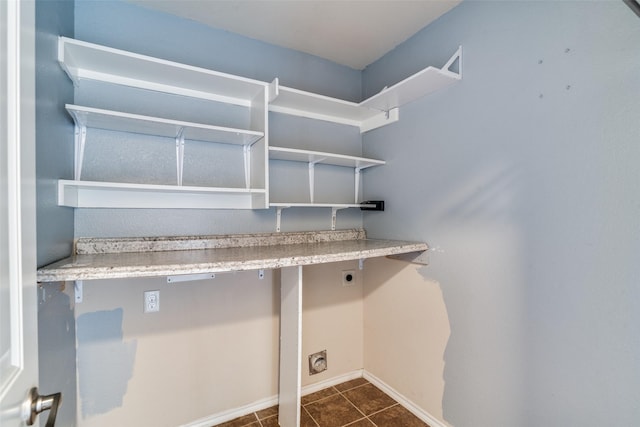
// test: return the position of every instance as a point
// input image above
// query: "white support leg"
(180, 155)
(80, 140)
(290, 346)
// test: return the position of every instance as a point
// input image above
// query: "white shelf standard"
(83, 60)
(379, 110)
(93, 194)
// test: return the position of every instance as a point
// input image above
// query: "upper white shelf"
(83, 60)
(376, 111)
(126, 122)
(306, 104)
(412, 88)
(317, 157)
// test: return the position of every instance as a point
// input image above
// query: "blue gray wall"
(54, 159)
(54, 131)
(524, 179)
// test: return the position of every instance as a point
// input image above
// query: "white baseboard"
(234, 413)
(409, 405)
(259, 405)
(330, 382)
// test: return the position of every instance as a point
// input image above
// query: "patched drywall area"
(406, 330)
(57, 348)
(213, 346)
(105, 361)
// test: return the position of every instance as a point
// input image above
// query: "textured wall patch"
(105, 361)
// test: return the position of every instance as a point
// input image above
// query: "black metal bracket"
(378, 205)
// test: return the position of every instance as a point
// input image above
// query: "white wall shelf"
(379, 110)
(313, 158)
(83, 60)
(306, 104)
(335, 207)
(92, 194)
(136, 123)
(416, 86)
(318, 157)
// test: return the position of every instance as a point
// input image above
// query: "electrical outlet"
(151, 301)
(348, 278)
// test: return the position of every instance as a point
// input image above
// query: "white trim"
(330, 382)
(403, 401)
(259, 405)
(234, 413)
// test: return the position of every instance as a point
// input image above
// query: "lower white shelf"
(316, 205)
(93, 194)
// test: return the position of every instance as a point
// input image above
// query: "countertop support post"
(290, 346)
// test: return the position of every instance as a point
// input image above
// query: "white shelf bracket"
(456, 56)
(279, 216)
(334, 214)
(312, 179)
(361, 264)
(80, 140)
(357, 184)
(261, 274)
(77, 288)
(180, 155)
(247, 165)
(274, 90)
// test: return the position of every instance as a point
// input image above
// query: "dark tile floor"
(356, 403)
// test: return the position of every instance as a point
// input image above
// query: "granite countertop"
(167, 256)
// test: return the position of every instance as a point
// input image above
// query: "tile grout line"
(310, 416)
(358, 409)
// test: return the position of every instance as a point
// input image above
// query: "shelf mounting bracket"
(80, 140)
(279, 216)
(312, 179)
(180, 155)
(247, 165)
(456, 57)
(357, 184)
(334, 214)
(77, 289)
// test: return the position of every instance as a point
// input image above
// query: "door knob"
(40, 404)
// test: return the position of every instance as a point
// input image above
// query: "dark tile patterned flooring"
(355, 403)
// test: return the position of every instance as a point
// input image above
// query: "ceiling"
(354, 33)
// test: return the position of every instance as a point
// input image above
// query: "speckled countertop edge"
(86, 246)
(219, 259)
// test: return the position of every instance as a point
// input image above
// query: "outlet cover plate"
(151, 301)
